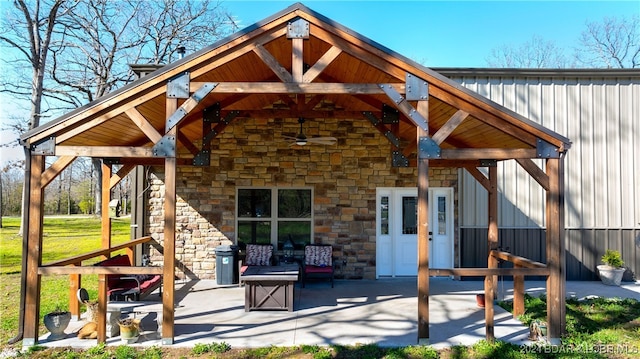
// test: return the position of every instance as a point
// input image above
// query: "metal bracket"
(45, 147)
(390, 115)
(428, 148)
(398, 159)
(377, 123)
(417, 89)
(371, 117)
(546, 150)
(488, 163)
(203, 158)
(211, 114)
(394, 95)
(197, 96)
(166, 147)
(298, 29)
(178, 86)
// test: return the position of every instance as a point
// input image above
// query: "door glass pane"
(254, 232)
(294, 203)
(254, 203)
(409, 215)
(299, 232)
(384, 215)
(442, 215)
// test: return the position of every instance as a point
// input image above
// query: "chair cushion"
(318, 256)
(258, 255)
(316, 269)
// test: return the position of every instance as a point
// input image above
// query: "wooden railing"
(522, 267)
(72, 266)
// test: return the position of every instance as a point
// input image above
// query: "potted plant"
(129, 330)
(56, 322)
(612, 270)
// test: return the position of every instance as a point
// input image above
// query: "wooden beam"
(104, 151)
(100, 252)
(180, 113)
(300, 88)
(186, 142)
(143, 124)
(321, 64)
(52, 172)
(518, 293)
(273, 63)
(479, 176)
(128, 102)
(488, 153)
(297, 59)
(423, 232)
(481, 272)
(536, 172)
(450, 126)
(401, 104)
(169, 255)
(34, 252)
(517, 260)
(122, 172)
(556, 291)
(66, 270)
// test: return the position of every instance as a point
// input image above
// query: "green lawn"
(63, 237)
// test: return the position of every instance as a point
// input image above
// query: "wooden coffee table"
(269, 287)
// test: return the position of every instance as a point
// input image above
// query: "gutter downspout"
(25, 247)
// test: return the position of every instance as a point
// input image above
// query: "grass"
(596, 328)
(63, 237)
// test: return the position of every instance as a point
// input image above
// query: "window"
(273, 215)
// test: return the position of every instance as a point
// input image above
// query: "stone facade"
(253, 153)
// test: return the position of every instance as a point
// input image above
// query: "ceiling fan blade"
(323, 140)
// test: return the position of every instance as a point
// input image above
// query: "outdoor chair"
(257, 255)
(318, 263)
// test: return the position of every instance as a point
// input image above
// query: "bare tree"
(101, 37)
(611, 43)
(535, 53)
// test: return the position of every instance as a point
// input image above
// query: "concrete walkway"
(354, 312)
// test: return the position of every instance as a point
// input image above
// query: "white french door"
(396, 230)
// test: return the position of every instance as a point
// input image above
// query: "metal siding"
(602, 166)
(602, 185)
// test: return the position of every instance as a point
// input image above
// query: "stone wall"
(253, 152)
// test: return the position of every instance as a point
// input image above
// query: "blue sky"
(451, 33)
(440, 33)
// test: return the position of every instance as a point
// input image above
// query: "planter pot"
(56, 324)
(610, 275)
(480, 300)
(129, 331)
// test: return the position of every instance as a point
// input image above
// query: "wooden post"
(490, 283)
(75, 282)
(170, 172)
(34, 254)
(556, 301)
(106, 243)
(518, 293)
(423, 233)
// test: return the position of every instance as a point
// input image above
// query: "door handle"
(430, 236)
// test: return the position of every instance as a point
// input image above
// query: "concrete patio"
(354, 312)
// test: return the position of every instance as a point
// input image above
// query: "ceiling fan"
(300, 139)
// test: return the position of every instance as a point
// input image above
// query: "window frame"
(274, 219)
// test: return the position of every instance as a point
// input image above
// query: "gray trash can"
(227, 264)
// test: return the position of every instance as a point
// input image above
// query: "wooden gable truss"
(299, 64)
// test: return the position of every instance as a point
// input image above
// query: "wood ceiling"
(263, 73)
